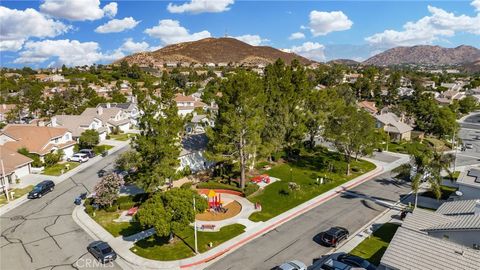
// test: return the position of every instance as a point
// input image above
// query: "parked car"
(292, 265)
(355, 261)
(469, 146)
(78, 157)
(332, 264)
(334, 236)
(102, 173)
(41, 189)
(102, 251)
(89, 152)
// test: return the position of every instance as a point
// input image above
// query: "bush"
(215, 185)
(52, 158)
(250, 189)
(113, 208)
(284, 191)
(187, 185)
(125, 202)
(89, 209)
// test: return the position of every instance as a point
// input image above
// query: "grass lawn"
(121, 136)
(398, 147)
(105, 219)
(158, 248)
(100, 148)
(439, 145)
(446, 192)
(56, 169)
(278, 198)
(19, 192)
(372, 248)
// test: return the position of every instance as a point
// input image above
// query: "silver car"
(293, 265)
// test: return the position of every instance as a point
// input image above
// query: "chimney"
(108, 105)
(477, 208)
(99, 110)
(54, 121)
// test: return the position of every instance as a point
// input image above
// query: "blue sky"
(77, 32)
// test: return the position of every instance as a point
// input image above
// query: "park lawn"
(373, 248)
(158, 248)
(274, 198)
(56, 169)
(19, 192)
(121, 136)
(105, 219)
(100, 148)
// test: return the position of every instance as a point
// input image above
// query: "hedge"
(215, 185)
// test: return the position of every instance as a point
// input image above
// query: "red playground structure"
(261, 178)
(214, 200)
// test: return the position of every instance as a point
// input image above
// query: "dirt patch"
(233, 209)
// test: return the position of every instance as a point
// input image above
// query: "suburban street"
(470, 133)
(41, 234)
(297, 239)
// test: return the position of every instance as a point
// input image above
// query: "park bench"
(208, 226)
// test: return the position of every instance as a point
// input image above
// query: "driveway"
(298, 238)
(41, 234)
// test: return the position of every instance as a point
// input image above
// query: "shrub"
(215, 185)
(52, 158)
(284, 191)
(89, 209)
(187, 185)
(250, 189)
(126, 205)
(112, 208)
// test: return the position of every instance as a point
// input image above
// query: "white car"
(292, 265)
(78, 157)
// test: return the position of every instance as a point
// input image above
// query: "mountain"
(425, 54)
(472, 67)
(213, 50)
(347, 62)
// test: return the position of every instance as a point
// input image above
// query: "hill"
(347, 62)
(472, 67)
(426, 55)
(213, 50)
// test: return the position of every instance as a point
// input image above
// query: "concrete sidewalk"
(36, 178)
(131, 260)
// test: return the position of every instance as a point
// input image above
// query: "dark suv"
(89, 152)
(41, 189)
(102, 251)
(334, 236)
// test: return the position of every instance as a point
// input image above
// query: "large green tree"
(235, 139)
(88, 139)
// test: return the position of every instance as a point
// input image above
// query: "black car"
(89, 152)
(334, 236)
(41, 189)
(355, 261)
(102, 251)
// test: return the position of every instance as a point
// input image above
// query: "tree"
(158, 143)
(128, 160)
(88, 139)
(235, 138)
(352, 131)
(468, 104)
(51, 159)
(171, 211)
(108, 189)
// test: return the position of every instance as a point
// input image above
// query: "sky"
(50, 33)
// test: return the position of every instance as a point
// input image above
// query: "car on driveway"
(89, 152)
(41, 189)
(102, 251)
(292, 265)
(78, 157)
(334, 236)
(355, 261)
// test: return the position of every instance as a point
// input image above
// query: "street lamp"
(291, 176)
(195, 226)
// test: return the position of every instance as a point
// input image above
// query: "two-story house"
(129, 108)
(395, 128)
(187, 104)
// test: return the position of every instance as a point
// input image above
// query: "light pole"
(195, 226)
(454, 142)
(5, 181)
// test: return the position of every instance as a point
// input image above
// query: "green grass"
(446, 192)
(398, 147)
(274, 198)
(372, 248)
(105, 219)
(100, 148)
(121, 136)
(56, 169)
(158, 248)
(19, 192)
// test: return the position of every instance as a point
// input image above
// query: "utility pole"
(195, 227)
(454, 142)
(5, 180)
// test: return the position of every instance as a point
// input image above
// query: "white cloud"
(428, 29)
(110, 9)
(116, 25)
(310, 50)
(19, 25)
(476, 4)
(297, 35)
(130, 46)
(253, 40)
(170, 31)
(78, 10)
(68, 52)
(322, 23)
(201, 6)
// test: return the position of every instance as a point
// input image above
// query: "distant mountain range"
(426, 55)
(214, 50)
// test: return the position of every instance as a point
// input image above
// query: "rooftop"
(470, 177)
(461, 207)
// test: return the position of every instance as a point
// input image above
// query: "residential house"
(192, 154)
(55, 78)
(405, 91)
(434, 240)
(449, 96)
(187, 104)
(351, 78)
(429, 84)
(38, 140)
(129, 108)
(4, 110)
(368, 106)
(396, 129)
(14, 165)
(455, 86)
(77, 124)
(469, 184)
(198, 124)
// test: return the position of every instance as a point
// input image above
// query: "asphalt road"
(41, 234)
(297, 239)
(470, 133)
